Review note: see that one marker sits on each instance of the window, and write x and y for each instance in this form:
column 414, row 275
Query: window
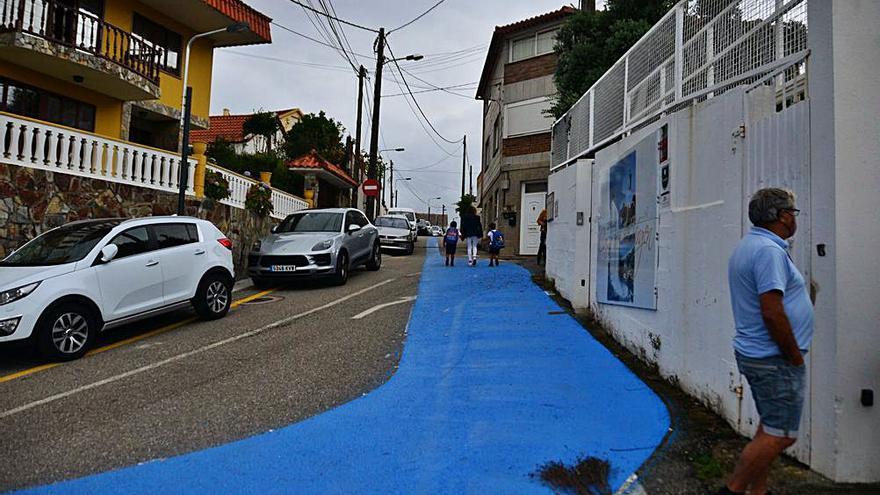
column 527, row 117
column 65, row 244
column 537, row 44
column 174, row 234
column 311, row 222
column 131, row 242
column 360, row 219
column 167, row 42
column 496, row 134
column 36, row 103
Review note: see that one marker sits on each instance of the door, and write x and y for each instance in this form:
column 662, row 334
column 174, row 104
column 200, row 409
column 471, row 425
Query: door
column 777, row 144
column 132, row 282
column 355, row 241
column 182, row 259
column 533, row 199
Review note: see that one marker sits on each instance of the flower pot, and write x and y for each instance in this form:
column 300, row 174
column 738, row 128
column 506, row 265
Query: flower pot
column 266, row 177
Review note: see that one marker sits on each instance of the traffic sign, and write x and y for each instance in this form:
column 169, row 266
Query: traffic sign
column 371, row 187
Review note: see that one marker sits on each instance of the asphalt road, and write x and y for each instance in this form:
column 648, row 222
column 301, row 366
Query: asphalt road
column 172, row 385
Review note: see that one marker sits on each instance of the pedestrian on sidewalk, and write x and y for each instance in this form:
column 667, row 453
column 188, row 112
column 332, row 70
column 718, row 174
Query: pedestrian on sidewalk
column 472, row 231
column 496, row 243
column 774, row 326
column 450, row 241
column 542, row 248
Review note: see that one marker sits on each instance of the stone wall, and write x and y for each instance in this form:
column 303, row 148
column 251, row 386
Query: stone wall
column 33, row 201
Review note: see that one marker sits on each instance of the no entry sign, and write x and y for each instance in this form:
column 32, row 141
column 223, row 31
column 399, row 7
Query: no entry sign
column 371, row 187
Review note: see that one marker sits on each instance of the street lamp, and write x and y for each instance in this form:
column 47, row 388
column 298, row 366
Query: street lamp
column 186, row 109
column 391, row 174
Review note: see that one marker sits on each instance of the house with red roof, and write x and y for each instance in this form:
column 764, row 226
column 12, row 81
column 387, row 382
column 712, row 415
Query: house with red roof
column 230, row 128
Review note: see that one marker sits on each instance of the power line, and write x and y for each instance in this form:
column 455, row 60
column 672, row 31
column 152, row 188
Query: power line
column 429, row 90
column 334, row 18
column 301, row 35
column 418, row 119
column 438, row 162
column 393, row 58
column 423, row 14
column 340, row 68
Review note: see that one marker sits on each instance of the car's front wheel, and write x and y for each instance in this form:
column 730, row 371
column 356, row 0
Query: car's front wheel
column 341, row 275
column 213, row 297
column 66, row 332
column 375, row 262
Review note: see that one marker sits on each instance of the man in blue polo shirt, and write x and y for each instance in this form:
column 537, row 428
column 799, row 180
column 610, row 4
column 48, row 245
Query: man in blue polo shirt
column 774, row 326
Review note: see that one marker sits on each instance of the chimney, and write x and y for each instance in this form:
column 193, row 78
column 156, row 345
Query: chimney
column 225, row 112
column 587, row 4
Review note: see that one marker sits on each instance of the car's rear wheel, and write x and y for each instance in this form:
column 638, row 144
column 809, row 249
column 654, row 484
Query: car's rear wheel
column 375, row 262
column 66, row 332
column 340, row 277
column 213, row 297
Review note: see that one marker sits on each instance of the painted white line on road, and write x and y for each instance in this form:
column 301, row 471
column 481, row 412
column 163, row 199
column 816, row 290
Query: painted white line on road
column 115, row 378
column 372, row 310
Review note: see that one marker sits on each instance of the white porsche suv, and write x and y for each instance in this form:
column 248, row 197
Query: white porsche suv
column 67, row 284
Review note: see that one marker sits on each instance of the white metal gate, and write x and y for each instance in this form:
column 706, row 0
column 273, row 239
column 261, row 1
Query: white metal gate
column 777, row 146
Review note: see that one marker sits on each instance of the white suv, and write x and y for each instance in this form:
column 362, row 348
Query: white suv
column 63, row 287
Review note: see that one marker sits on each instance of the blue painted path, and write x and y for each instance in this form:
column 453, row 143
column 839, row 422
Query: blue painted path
column 490, row 386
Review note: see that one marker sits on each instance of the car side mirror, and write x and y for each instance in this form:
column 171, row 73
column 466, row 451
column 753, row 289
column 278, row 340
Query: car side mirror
column 109, row 252
column 353, row 228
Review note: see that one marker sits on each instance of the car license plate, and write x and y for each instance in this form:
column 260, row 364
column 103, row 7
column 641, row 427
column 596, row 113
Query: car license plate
column 283, row 268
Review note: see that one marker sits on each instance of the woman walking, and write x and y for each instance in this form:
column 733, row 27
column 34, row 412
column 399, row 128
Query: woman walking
column 472, row 231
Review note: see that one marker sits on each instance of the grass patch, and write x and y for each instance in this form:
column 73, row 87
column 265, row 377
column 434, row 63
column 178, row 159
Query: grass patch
column 587, row 476
column 707, row 468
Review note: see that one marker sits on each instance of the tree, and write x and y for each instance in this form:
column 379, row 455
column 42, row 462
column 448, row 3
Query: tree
column 264, row 124
column 315, row 132
column 465, row 204
column 590, row 42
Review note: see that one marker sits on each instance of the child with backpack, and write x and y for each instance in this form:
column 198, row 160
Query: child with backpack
column 450, row 240
column 496, row 243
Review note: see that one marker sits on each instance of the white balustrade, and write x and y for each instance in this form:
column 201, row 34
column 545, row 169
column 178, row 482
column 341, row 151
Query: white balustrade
column 29, row 143
column 283, row 203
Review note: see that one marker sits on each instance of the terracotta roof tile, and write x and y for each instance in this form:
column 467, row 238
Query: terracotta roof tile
column 313, row 160
column 241, row 12
column 228, row 127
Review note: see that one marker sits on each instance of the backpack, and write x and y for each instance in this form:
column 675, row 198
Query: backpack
column 451, row 235
column 497, row 239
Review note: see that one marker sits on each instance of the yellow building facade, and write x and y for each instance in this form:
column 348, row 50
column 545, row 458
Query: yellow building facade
column 114, row 67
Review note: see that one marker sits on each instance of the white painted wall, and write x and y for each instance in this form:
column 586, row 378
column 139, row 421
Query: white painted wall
column 844, row 84
column 568, row 244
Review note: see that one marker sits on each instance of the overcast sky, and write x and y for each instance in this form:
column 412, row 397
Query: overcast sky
column 296, row 72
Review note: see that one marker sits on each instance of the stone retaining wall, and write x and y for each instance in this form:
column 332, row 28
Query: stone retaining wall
column 33, row 201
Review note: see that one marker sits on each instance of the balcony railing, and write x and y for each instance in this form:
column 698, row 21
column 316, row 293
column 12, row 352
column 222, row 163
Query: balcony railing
column 284, row 204
column 35, row 144
column 75, row 28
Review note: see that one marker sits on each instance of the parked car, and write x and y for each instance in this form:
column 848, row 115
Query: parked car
column 69, row 283
column 410, row 215
column 424, row 227
column 436, row 231
column 315, row 243
column 394, row 233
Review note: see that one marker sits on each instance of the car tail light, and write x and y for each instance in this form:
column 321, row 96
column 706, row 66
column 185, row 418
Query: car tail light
column 225, row 243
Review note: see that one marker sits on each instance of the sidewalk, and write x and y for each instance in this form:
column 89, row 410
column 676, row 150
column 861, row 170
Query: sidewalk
column 495, row 381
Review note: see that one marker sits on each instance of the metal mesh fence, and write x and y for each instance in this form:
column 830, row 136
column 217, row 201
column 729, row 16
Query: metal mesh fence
column 699, row 49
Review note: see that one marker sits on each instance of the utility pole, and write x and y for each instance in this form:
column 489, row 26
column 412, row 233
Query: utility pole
column 391, row 183
column 443, row 215
column 374, row 130
column 470, row 179
column 359, row 174
column 463, row 160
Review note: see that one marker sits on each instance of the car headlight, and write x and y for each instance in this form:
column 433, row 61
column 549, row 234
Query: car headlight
column 323, row 245
column 11, row 295
column 257, row 245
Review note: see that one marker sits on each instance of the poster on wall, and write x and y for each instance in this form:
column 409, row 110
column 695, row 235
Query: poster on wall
column 627, row 258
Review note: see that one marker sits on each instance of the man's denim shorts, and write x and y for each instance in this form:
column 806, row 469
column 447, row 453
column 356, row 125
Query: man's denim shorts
column 778, row 390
